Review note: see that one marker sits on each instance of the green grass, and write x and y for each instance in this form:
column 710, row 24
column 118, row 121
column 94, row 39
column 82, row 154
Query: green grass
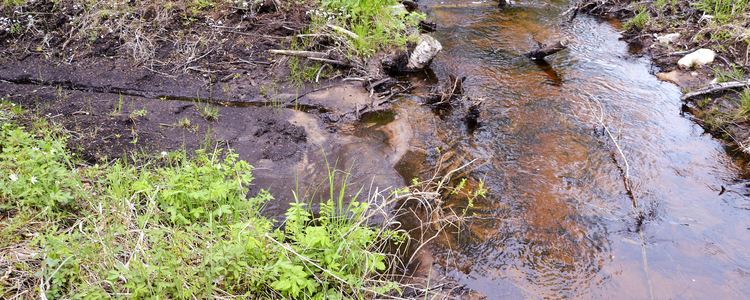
column 183, row 122
column 733, row 74
column 173, row 225
column 638, row 22
column 744, row 104
column 208, row 112
column 376, row 24
column 723, row 11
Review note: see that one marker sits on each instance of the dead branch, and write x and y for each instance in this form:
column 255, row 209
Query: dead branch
column 545, row 50
column 717, row 87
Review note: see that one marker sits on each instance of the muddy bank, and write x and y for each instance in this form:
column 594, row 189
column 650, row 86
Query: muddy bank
column 288, row 147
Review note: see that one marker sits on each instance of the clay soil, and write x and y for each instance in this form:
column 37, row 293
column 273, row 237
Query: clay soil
column 715, row 111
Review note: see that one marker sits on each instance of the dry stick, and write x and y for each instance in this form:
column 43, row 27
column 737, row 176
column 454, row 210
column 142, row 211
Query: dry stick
column 717, row 87
column 600, row 118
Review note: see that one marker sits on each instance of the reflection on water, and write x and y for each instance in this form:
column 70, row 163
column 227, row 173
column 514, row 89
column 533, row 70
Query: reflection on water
column 559, row 221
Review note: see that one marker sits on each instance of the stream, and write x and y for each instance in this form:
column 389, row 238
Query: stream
column 558, row 221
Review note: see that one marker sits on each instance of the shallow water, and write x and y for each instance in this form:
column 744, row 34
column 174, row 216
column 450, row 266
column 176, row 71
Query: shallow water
column 558, row 221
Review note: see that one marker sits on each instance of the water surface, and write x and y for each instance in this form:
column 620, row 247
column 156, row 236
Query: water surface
column 558, row 221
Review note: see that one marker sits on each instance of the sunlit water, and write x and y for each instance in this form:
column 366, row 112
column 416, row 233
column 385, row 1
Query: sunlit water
column 558, row 221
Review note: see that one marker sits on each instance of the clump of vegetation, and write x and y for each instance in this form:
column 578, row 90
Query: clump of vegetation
column 184, row 122
column 172, row 226
column 638, row 22
column 732, row 74
column 744, row 104
column 208, row 112
column 372, row 24
column 722, row 11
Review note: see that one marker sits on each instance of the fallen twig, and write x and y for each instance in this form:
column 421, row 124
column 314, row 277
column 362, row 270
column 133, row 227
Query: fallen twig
column 717, row 87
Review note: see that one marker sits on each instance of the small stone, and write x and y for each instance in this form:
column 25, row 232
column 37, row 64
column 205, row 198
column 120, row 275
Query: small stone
column 671, row 77
column 694, row 73
column 698, row 58
column 667, row 38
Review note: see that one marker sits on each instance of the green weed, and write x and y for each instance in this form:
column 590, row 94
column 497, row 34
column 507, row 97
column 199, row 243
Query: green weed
column 638, row 22
column 118, row 108
column 138, row 113
column 744, row 104
column 376, row 25
column 723, row 11
column 735, row 73
column 208, row 112
column 174, row 227
column 34, row 172
column 184, row 122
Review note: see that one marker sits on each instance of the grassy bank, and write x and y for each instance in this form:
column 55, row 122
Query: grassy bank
column 169, row 226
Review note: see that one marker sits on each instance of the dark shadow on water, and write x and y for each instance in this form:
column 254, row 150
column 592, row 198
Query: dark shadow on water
column 554, row 78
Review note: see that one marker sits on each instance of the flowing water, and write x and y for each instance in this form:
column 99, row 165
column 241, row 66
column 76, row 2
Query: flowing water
column 558, row 220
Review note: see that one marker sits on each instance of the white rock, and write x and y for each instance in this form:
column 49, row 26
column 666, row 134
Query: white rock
column 667, row 38
column 427, row 48
column 698, row 58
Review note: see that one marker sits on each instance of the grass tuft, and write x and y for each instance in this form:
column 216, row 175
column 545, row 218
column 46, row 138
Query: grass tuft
column 208, row 112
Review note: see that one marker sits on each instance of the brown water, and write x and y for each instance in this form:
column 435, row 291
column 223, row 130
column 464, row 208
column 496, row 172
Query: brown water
column 558, row 221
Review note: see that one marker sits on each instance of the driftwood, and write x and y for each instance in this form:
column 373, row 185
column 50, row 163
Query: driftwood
column 545, row 50
column 717, row 87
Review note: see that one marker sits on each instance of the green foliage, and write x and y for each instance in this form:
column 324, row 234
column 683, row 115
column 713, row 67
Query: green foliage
column 735, row 73
column 176, row 227
column 199, row 189
column 723, row 11
column 377, row 23
column 208, row 112
column 10, row 3
column 184, row 122
column 341, row 247
column 744, row 104
column 138, row 113
column 638, row 22
column 34, row 172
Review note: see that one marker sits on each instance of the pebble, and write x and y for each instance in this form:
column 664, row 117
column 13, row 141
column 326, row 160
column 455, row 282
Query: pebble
column 667, row 38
